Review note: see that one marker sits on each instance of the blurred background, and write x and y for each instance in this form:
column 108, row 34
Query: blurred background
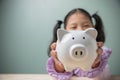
column 26, row 31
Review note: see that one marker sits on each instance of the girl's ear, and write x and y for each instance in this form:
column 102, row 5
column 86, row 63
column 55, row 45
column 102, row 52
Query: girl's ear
column 60, row 34
column 92, row 32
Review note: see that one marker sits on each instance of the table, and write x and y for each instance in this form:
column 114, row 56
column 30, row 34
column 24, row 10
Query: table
column 40, row 77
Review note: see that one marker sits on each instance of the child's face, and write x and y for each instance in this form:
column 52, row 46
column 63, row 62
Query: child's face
column 78, row 21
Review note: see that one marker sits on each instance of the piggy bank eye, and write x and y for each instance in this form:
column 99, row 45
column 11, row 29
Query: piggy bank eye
column 73, row 38
column 83, row 37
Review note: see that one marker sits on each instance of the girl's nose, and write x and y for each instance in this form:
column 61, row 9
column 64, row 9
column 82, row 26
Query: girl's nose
column 79, row 28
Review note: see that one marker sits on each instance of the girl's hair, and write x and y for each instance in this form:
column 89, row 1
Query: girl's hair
column 98, row 25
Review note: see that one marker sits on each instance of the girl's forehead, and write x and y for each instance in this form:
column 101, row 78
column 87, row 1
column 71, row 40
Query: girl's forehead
column 78, row 17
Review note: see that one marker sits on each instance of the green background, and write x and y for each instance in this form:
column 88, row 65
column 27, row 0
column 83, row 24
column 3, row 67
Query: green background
column 26, row 31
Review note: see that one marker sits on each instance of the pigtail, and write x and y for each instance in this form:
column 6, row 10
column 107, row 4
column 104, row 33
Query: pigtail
column 57, row 26
column 99, row 27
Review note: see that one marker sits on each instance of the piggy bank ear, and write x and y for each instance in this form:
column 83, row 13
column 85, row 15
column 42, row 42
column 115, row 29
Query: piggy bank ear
column 61, row 33
column 92, row 32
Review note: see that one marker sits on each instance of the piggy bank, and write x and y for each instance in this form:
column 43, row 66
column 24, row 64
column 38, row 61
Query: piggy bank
column 76, row 48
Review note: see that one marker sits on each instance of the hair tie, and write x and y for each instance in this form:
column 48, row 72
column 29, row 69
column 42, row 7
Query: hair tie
column 60, row 22
column 93, row 18
column 93, row 21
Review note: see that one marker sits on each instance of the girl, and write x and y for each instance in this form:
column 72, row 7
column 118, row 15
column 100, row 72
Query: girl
column 78, row 19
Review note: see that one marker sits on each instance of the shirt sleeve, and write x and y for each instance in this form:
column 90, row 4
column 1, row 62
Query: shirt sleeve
column 59, row 76
column 92, row 73
column 96, row 71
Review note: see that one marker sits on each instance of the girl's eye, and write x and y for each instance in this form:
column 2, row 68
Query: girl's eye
column 86, row 25
column 83, row 37
column 73, row 28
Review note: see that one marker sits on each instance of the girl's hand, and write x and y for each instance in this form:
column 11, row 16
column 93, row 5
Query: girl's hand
column 58, row 65
column 99, row 51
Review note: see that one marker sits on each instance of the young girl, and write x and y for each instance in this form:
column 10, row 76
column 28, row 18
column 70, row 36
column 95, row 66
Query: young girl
column 80, row 19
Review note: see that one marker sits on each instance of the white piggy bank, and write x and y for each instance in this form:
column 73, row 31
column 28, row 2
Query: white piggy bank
column 77, row 49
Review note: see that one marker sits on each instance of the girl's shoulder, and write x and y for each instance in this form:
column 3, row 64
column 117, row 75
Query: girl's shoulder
column 106, row 51
column 106, row 48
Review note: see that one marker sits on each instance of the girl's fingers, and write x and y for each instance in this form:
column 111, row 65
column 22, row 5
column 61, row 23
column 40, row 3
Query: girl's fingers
column 96, row 65
column 99, row 51
column 96, row 62
column 53, row 46
column 58, row 65
column 98, row 59
column 100, row 44
column 54, row 55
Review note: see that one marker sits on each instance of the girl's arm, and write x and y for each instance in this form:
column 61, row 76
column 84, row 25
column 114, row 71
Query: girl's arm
column 57, row 64
column 99, row 51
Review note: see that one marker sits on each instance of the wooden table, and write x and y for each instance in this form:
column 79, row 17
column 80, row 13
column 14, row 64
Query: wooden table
column 40, row 77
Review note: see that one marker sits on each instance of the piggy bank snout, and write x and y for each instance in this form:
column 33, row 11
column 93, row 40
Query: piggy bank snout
column 78, row 52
